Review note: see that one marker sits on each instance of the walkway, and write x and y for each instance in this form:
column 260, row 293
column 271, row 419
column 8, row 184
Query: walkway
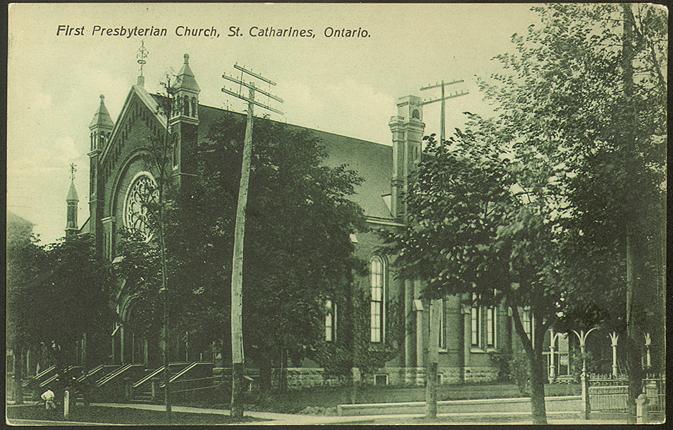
column 299, row 419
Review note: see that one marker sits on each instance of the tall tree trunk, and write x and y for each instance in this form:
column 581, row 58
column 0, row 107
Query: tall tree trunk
column 18, row 375
column 431, row 344
column 661, row 247
column 265, row 374
column 282, row 375
column 537, row 404
column 535, row 366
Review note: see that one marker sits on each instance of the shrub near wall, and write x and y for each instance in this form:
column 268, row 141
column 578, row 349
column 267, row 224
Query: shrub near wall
column 502, row 363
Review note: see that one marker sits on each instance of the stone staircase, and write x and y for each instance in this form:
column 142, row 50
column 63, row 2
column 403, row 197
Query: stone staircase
column 143, row 391
column 114, row 385
column 185, row 378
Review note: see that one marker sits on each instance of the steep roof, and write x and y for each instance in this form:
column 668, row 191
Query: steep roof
column 186, row 78
column 72, row 193
column 372, row 161
column 102, row 117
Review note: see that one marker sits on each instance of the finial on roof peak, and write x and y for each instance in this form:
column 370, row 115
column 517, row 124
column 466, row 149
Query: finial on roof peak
column 186, row 58
column 102, row 98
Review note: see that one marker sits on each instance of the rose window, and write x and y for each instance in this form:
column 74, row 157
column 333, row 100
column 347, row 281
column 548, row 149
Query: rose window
column 141, row 196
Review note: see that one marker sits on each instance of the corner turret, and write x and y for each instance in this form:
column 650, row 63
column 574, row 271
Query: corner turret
column 72, row 202
column 101, row 126
column 186, row 102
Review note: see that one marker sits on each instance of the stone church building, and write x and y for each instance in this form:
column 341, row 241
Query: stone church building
column 119, row 177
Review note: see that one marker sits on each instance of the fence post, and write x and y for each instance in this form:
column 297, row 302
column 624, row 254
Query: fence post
column 127, row 388
column 586, row 405
column 66, row 404
column 641, row 409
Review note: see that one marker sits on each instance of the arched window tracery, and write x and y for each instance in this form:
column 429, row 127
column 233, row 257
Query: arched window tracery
column 377, row 301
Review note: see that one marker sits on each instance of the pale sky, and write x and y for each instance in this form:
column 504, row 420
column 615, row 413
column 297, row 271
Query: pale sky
column 346, row 86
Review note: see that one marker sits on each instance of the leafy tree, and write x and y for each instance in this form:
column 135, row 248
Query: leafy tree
column 298, row 250
column 482, row 227
column 534, row 203
column 71, row 296
column 25, row 260
column 587, row 89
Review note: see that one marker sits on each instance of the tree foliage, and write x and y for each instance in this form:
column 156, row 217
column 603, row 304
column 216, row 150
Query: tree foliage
column 298, row 252
column 534, row 202
column 57, row 293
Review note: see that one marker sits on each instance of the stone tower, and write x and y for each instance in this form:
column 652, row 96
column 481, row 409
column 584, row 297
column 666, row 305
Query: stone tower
column 100, row 130
column 184, row 120
column 407, row 130
column 72, row 201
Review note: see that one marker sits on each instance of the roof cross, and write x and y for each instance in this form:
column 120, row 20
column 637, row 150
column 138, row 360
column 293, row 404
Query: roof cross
column 141, row 55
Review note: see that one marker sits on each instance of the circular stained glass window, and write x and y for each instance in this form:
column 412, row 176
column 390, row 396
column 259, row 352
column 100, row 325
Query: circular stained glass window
column 141, row 195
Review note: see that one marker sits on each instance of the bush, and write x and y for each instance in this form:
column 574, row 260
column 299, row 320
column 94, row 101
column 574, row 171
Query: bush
column 519, row 372
column 502, row 362
column 593, row 365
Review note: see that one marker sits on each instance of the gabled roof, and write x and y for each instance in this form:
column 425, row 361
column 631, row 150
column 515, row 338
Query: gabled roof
column 148, row 100
column 372, row 161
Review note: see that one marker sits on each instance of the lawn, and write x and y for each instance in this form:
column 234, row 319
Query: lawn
column 121, row 416
column 323, row 400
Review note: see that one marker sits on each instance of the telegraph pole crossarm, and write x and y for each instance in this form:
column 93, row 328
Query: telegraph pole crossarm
column 256, row 103
column 439, row 84
column 450, row 96
column 443, row 98
column 237, row 351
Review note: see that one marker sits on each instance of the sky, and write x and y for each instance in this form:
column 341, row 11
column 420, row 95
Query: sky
column 347, row 86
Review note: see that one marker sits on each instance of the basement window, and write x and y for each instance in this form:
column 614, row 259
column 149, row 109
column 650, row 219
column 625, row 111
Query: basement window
column 381, row 379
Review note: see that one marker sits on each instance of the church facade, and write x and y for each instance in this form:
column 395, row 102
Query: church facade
column 467, row 336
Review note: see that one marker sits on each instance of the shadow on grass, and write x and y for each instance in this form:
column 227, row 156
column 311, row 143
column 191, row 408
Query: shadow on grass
column 323, row 400
column 96, row 414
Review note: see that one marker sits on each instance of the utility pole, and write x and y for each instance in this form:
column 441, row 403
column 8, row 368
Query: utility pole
column 161, row 159
column 629, row 150
column 433, row 313
column 443, row 98
column 237, row 356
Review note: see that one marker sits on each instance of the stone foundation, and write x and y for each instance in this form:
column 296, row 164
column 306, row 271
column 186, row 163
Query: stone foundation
column 481, row 374
column 450, row 375
column 304, row 377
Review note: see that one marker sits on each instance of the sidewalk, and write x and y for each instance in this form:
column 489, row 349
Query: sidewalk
column 273, row 418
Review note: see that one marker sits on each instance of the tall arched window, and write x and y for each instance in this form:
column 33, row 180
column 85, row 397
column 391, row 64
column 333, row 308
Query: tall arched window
column 195, row 108
column 377, row 284
column 185, row 105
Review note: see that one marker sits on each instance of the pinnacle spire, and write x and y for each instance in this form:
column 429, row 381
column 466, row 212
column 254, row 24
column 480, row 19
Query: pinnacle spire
column 72, row 192
column 102, row 117
column 185, row 79
column 71, row 200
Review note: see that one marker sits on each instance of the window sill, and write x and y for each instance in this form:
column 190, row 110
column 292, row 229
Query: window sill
column 477, row 350
column 443, row 350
